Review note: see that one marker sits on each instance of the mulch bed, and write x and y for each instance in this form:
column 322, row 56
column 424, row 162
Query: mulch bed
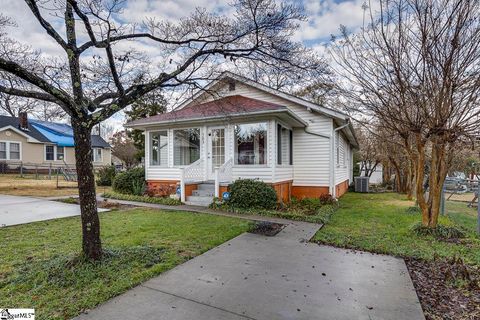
column 447, row 289
column 268, row 229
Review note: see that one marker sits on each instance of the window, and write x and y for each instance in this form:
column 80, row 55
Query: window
column 290, row 160
column 3, row 150
column 337, row 148
column 159, row 148
column 284, row 145
column 279, row 144
column 97, row 154
column 14, row 151
column 60, row 153
column 49, row 153
column 186, row 146
column 251, row 143
column 10, row 150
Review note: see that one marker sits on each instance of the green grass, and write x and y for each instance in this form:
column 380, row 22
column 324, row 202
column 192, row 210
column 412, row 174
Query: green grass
column 382, row 223
column 130, row 197
column 41, row 267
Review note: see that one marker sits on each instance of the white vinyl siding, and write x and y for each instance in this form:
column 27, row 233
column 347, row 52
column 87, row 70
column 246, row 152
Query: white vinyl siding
column 343, row 167
column 311, row 153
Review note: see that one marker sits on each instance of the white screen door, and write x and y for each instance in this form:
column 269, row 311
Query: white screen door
column 216, row 150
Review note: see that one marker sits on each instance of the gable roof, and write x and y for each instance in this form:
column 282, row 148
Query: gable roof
column 7, row 122
column 60, row 134
column 340, row 117
column 332, row 113
column 224, row 107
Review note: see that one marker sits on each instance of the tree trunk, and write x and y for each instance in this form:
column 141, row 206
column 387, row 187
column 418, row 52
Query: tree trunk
column 91, row 244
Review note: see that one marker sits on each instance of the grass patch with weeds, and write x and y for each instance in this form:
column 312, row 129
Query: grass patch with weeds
column 379, row 223
column 41, row 267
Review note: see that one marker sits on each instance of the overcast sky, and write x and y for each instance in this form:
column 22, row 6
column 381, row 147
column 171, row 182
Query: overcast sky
column 324, row 19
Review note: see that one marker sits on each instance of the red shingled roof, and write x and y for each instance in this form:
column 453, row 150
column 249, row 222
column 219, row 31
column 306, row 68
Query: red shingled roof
column 231, row 105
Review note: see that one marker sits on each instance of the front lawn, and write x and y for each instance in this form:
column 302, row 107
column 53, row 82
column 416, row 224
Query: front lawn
column 41, row 268
column 382, row 223
column 448, row 287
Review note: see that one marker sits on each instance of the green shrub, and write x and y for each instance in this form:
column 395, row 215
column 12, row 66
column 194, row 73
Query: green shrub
column 128, row 182
column 440, row 232
column 106, row 175
column 130, row 197
column 250, row 194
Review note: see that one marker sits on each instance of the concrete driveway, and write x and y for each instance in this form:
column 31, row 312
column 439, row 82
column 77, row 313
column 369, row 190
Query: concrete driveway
column 19, row 210
column 268, row 278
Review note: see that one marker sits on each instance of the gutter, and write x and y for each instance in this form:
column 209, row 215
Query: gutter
column 333, row 191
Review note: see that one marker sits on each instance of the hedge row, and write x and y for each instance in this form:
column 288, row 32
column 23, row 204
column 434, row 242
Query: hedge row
column 147, row 199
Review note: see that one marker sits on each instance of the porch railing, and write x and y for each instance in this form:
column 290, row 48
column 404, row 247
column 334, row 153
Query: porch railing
column 192, row 173
column 223, row 174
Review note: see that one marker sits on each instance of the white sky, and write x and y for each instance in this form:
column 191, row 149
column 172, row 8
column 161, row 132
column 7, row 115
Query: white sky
column 324, row 19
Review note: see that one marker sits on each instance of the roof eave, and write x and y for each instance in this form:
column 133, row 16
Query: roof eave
column 216, row 118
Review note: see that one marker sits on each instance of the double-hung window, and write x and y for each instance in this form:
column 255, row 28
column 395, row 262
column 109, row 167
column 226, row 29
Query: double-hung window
column 284, row 145
column 97, row 154
column 60, row 153
column 49, row 153
column 10, row 150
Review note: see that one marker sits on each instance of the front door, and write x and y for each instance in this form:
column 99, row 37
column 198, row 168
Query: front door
column 216, row 150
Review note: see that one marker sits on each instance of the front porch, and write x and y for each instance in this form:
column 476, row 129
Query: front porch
column 210, row 157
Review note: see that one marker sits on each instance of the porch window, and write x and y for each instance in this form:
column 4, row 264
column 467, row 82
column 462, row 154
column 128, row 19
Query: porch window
column 284, row 145
column 159, row 148
column 186, row 146
column 251, row 143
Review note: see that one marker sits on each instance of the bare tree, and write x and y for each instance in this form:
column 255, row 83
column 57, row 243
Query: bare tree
column 124, row 149
column 416, row 69
column 102, row 74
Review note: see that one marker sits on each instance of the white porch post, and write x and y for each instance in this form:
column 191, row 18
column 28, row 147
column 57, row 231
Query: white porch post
column 217, row 183
column 182, row 184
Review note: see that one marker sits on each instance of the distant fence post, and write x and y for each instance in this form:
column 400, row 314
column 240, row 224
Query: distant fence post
column 50, row 171
column 21, row 169
column 36, row 171
column 57, row 176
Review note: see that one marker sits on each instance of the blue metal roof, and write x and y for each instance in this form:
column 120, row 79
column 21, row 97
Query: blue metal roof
column 58, row 133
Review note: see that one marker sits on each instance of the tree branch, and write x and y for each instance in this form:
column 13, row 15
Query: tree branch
column 46, row 25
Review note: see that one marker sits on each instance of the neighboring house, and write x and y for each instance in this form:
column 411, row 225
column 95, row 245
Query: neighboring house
column 35, row 142
column 248, row 130
column 377, row 174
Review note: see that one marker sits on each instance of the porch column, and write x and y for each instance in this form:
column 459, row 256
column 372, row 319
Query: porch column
column 217, row 183
column 182, row 184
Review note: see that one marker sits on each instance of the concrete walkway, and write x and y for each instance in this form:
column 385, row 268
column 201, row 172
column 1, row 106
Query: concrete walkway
column 16, row 210
column 267, row 278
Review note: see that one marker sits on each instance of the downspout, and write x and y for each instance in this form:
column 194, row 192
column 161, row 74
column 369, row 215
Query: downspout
column 333, row 190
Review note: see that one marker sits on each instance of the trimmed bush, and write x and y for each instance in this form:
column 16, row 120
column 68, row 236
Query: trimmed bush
column 129, row 182
column 106, row 175
column 250, row 194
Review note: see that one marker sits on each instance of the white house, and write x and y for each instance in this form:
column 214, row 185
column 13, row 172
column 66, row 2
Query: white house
column 237, row 128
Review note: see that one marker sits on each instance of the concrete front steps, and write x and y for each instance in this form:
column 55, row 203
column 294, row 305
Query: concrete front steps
column 203, row 196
